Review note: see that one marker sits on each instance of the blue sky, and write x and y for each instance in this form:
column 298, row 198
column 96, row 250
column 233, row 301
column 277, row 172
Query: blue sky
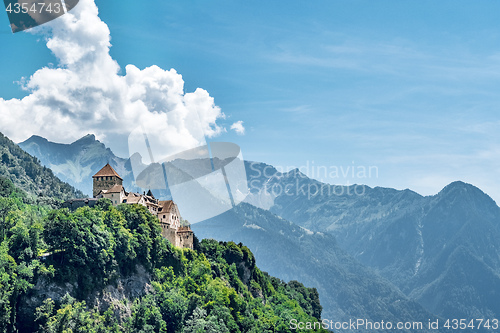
column 409, row 87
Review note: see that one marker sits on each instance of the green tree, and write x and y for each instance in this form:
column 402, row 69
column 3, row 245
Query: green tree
column 199, row 322
column 6, row 187
column 6, row 205
column 147, row 317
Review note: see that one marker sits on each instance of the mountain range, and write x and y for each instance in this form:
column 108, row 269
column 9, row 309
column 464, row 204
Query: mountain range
column 347, row 289
column 377, row 252
column 441, row 250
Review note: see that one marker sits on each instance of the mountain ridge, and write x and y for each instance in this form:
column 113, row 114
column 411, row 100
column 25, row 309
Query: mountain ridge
column 27, row 173
column 409, row 239
column 347, row 288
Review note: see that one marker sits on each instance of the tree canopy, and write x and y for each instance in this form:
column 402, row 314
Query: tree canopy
column 216, row 287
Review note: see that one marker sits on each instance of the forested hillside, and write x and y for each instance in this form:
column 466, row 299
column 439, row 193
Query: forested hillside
column 107, row 269
column 26, row 172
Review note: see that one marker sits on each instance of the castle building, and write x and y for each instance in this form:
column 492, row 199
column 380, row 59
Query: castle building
column 105, row 179
column 170, row 221
column 108, row 184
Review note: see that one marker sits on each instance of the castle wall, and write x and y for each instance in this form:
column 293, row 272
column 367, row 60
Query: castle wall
column 179, row 237
column 100, row 185
column 169, row 233
column 185, row 237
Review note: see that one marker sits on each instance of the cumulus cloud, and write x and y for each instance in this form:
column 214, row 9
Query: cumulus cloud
column 86, row 93
column 238, row 127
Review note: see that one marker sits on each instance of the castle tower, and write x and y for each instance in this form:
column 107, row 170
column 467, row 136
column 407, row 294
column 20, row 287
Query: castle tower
column 105, row 179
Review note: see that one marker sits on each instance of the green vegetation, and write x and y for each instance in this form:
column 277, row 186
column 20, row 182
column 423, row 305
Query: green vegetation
column 27, row 174
column 56, row 266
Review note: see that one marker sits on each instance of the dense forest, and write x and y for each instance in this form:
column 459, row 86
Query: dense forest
column 107, row 269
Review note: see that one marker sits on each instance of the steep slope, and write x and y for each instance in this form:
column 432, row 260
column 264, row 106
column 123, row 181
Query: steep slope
column 461, row 254
column 421, row 244
column 347, row 289
column 27, row 174
column 108, row 269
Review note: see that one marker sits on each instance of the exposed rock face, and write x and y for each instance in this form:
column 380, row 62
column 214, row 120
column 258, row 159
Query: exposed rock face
column 118, row 296
column 247, row 273
column 45, row 289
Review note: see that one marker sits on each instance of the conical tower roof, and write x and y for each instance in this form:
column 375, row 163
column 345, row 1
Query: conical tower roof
column 106, row 172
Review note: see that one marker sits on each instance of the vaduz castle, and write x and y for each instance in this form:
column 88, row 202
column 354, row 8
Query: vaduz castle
column 108, row 184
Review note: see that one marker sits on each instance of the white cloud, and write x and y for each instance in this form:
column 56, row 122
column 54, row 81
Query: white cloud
column 238, row 127
column 85, row 93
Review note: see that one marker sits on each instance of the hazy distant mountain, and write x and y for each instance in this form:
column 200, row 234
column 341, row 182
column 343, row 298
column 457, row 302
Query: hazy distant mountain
column 347, row 289
column 77, row 162
column 442, row 250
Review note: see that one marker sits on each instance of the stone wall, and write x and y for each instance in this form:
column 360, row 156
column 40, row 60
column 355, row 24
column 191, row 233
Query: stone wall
column 185, row 237
column 181, row 237
column 169, row 233
column 100, row 185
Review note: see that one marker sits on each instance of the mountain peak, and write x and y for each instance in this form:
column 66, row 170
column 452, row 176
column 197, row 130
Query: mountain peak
column 459, row 186
column 89, row 138
column 35, row 138
column 466, row 191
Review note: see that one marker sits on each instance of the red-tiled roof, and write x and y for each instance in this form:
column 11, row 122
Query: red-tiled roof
column 184, row 230
column 106, row 172
column 115, row 189
column 133, row 199
column 165, row 206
